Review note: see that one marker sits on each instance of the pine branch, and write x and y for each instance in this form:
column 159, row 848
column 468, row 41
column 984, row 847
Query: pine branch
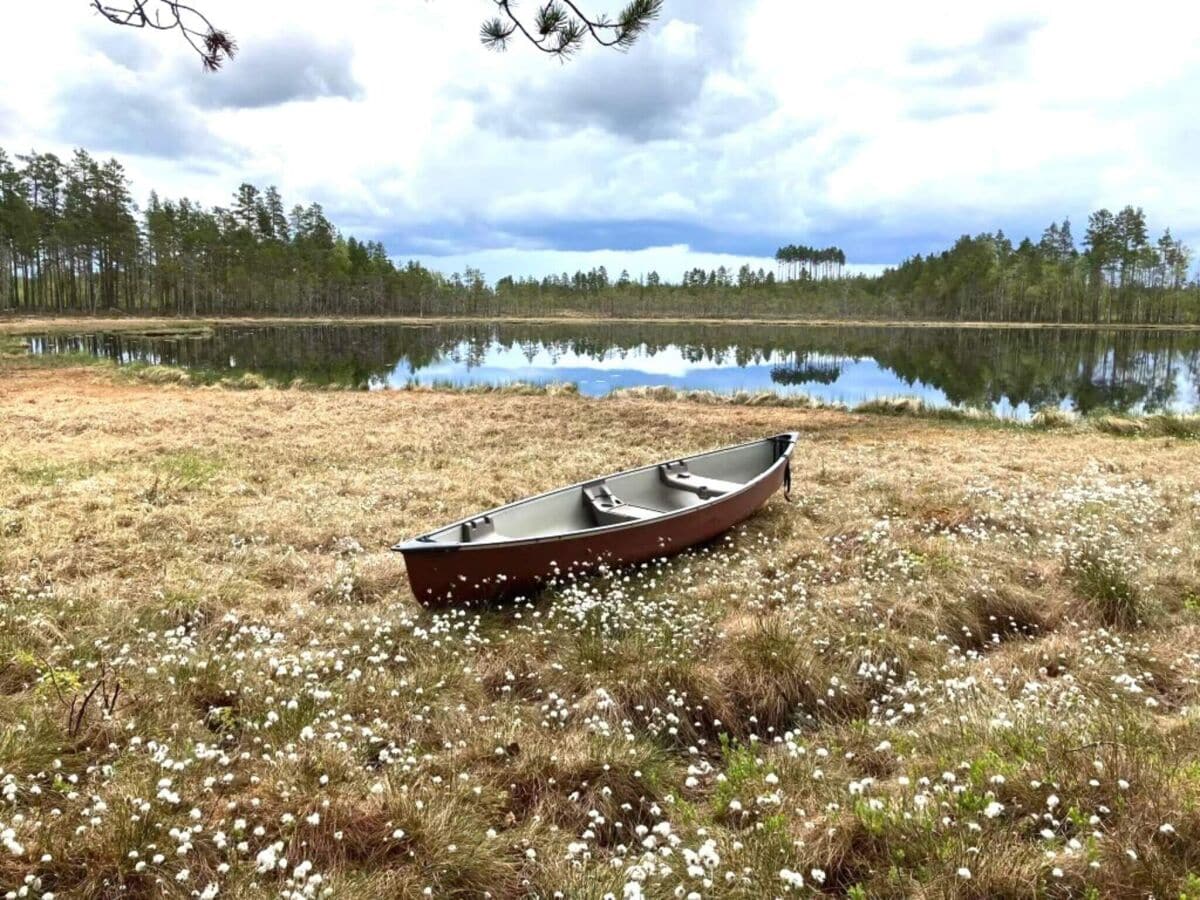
column 559, row 27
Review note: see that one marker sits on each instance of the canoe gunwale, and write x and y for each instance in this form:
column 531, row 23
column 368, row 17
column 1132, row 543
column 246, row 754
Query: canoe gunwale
column 424, row 544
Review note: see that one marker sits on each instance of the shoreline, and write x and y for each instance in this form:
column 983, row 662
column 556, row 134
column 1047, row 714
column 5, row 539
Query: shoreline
column 25, row 324
column 1178, row 424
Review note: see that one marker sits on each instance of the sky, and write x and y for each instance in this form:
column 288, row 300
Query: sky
column 733, row 127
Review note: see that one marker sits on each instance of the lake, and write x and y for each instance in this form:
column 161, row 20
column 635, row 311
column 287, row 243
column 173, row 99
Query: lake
column 1012, row 371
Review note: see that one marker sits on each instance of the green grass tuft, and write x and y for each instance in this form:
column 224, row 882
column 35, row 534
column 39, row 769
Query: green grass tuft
column 190, row 468
column 1104, row 582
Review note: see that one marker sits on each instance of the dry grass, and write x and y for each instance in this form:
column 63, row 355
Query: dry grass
column 961, row 663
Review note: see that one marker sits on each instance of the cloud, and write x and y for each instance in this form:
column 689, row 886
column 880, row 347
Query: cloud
column 944, row 109
column 572, row 235
column 125, row 116
column 10, row 120
column 1014, row 33
column 276, row 70
column 678, row 80
column 670, row 262
column 1000, row 52
column 997, row 39
column 128, row 48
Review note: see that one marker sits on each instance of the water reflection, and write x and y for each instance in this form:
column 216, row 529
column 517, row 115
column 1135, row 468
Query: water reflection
column 1010, row 370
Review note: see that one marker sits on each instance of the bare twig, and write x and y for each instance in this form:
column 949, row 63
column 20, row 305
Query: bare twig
column 1096, row 744
column 214, row 45
column 75, row 719
column 53, row 679
column 77, row 707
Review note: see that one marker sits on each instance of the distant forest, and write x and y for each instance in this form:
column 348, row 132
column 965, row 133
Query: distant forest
column 72, row 240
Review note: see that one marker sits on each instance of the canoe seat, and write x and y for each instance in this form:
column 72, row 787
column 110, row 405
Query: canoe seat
column 676, row 475
column 609, row 509
column 480, row 531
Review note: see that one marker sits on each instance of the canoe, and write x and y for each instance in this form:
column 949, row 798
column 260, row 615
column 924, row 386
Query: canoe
column 628, row 517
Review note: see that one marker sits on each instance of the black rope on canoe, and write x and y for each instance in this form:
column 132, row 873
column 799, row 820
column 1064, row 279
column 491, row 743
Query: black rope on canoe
column 787, row 481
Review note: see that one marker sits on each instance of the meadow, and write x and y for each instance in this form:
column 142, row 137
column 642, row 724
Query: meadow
column 964, row 660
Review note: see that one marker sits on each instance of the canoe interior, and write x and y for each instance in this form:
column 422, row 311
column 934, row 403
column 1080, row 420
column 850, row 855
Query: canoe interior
column 644, row 494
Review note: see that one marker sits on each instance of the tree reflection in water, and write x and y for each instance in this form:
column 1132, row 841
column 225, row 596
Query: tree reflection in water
column 1125, row 370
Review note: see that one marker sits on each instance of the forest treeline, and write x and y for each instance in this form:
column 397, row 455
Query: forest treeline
column 1118, row 274
column 73, row 240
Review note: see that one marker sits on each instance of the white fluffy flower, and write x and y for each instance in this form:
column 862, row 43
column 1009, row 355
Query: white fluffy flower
column 791, row 879
column 267, row 857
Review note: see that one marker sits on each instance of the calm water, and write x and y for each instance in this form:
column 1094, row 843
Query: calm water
column 1012, row 371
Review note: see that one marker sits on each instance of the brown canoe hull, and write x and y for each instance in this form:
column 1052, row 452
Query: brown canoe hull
column 466, row 573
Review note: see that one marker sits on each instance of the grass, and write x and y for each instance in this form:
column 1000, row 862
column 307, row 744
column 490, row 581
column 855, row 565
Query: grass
column 189, row 467
column 962, row 662
column 1104, row 582
column 12, row 345
column 176, row 375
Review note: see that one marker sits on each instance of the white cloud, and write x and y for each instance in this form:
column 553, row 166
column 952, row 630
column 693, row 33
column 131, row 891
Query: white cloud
column 10, row 121
column 669, row 262
column 282, row 69
column 733, row 126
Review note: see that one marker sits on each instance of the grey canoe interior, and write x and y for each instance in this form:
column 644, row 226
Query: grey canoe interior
column 624, row 498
